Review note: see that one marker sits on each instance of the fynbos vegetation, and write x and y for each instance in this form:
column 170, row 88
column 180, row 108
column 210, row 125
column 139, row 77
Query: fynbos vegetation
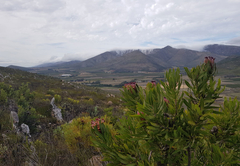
column 167, row 126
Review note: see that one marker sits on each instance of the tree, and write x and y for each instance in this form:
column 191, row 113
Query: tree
column 166, row 125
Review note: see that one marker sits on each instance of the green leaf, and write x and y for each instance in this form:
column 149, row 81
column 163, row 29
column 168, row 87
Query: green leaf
column 187, row 83
column 152, row 128
column 154, row 124
column 217, row 112
column 191, row 123
column 131, row 164
column 187, row 103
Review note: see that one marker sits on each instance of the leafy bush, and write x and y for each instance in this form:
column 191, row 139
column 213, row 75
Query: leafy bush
column 58, row 99
column 29, row 117
column 27, row 114
column 165, row 125
column 3, row 96
column 5, row 92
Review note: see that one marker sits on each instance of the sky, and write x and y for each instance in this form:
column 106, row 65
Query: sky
column 39, row 31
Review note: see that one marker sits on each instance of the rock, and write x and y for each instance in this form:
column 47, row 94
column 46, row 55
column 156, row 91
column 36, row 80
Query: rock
column 56, row 111
column 108, row 95
column 14, row 117
column 96, row 161
column 25, row 129
column 13, row 106
column 112, row 95
column 109, row 103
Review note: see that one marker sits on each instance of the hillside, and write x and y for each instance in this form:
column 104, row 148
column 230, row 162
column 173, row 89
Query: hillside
column 96, row 60
column 181, row 57
column 26, row 98
column 46, row 87
column 229, row 66
column 132, row 62
column 20, row 68
column 49, row 64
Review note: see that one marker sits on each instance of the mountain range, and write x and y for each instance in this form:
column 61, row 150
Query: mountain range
column 151, row 60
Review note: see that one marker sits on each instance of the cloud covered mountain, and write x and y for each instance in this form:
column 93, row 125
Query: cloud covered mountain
column 133, row 60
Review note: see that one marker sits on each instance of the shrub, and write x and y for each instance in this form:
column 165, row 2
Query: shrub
column 3, row 96
column 79, row 132
column 58, row 99
column 165, row 125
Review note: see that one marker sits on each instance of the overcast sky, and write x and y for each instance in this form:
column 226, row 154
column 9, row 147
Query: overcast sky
column 37, row 31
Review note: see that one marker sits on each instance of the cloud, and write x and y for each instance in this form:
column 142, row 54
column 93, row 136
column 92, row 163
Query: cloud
column 35, row 30
column 234, row 41
column 32, row 5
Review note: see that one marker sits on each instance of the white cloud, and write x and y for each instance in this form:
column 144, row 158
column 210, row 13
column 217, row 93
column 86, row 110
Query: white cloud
column 234, row 41
column 33, row 31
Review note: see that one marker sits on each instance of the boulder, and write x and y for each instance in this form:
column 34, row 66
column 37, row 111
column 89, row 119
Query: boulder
column 109, row 103
column 25, row 129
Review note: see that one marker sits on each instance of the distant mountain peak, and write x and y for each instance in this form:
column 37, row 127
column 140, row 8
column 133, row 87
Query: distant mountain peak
column 168, row 47
column 122, row 52
column 147, row 51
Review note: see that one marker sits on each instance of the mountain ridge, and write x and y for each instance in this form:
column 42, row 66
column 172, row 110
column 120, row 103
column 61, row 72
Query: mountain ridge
column 153, row 59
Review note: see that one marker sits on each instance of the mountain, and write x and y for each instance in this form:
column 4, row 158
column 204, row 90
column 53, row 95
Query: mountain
column 173, row 57
column 96, row 60
column 146, row 60
column 132, row 62
column 49, row 64
column 20, row 68
column 229, row 66
column 57, row 64
column 226, row 50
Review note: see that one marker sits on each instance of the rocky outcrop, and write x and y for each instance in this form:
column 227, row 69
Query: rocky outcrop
column 56, row 112
column 96, row 161
column 25, row 129
column 14, row 118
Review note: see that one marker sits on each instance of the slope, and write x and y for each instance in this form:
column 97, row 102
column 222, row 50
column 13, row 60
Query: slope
column 182, row 57
column 229, row 66
column 132, row 62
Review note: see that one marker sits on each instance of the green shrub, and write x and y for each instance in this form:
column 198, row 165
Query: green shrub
column 3, row 96
column 58, row 99
column 165, row 125
column 29, row 117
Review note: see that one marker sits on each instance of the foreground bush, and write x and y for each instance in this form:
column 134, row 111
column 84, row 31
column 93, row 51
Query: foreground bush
column 165, row 125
